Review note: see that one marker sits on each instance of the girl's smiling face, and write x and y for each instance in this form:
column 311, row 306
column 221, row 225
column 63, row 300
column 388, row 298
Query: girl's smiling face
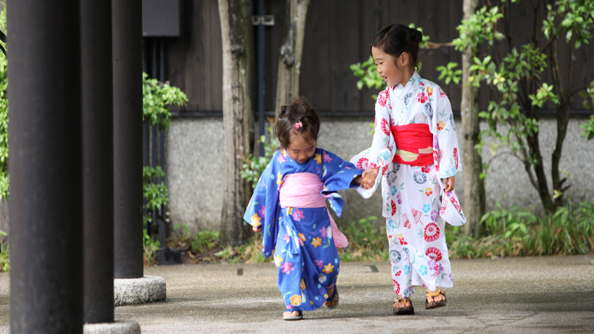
column 301, row 149
column 394, row 70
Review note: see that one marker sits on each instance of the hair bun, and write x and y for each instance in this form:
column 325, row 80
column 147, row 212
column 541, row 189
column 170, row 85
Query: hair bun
column 414, row 36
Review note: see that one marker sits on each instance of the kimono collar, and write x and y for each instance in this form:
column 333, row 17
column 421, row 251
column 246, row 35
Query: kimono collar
column 412, row 84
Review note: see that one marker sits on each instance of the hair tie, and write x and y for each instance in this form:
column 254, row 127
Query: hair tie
column 298, row 125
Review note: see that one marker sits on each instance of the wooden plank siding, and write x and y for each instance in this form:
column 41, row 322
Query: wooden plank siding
column 338, row 34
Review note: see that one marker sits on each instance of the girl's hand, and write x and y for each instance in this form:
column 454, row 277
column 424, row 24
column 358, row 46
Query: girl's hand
column 449, row 183
column 368, row 178
column 257, row 229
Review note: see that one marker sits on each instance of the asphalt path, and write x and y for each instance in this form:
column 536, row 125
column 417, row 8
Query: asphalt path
column 517, row 295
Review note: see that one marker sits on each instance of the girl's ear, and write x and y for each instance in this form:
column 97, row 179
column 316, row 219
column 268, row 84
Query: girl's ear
column 404, row 59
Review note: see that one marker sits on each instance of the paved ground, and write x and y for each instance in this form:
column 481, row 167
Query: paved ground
column 523, row 295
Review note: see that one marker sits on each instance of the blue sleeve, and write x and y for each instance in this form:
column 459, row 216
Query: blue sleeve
column 263, row 207
column 337, row 174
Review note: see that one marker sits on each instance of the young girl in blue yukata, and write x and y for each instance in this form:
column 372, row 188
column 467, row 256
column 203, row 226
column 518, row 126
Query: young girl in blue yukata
column 289, row 208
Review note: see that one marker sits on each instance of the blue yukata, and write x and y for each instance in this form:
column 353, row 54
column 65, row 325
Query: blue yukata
column 289, row 203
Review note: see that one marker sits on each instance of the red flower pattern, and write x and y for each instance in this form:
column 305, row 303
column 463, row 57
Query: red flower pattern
column 396, row 287
column 362, row 163
column 385, row 127
column 431, row 232
column 436, row 156
column 455, row 204
column 423, row 97
column 382, row 98
column 433, row 253
column 444, row 205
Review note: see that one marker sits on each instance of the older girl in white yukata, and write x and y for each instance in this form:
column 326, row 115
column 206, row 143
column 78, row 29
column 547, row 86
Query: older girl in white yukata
column 416, row 149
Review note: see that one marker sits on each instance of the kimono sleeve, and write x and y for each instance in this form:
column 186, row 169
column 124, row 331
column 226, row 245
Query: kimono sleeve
column 446, row 158
column 263, row 206
column 337, row 174
column 446, row 152
column 383, row 147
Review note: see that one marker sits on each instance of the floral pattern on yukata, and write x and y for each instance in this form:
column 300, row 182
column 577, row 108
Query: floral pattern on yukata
column 301, row 238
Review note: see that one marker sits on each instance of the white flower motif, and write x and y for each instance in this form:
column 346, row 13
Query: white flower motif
column 322, row 278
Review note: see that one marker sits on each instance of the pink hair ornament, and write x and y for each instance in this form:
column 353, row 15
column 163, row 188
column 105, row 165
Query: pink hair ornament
column 298, row 125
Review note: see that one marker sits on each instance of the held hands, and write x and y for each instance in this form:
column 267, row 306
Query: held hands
column 449, row 183
column 368, row 177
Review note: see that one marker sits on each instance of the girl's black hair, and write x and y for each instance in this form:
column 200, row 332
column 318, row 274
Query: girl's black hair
column 396, row 39
column 298, row 111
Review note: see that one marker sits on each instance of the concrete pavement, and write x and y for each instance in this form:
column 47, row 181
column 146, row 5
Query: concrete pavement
column 520, row 295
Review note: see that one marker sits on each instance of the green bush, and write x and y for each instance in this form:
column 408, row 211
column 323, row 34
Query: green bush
column 203, row 241
column 518, row 232
column 512, row 232
column 253, row 166
column 367, row 241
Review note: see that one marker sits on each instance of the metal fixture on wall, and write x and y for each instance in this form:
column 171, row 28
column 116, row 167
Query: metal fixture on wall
column 260, row 21
column 160, row 20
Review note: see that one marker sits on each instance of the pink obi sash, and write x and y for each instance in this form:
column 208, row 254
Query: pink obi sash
column 303, row 190
column 414, row 144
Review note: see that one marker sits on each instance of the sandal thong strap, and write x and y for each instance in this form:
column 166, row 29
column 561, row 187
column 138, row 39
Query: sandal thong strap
column 435, row 304
column 331, row 299
column 402, row 300
column 435, row 294
column 298, row 317
column 405, row 309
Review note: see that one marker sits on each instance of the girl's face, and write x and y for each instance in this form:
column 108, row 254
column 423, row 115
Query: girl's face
column 394, row 70
column 300, row 149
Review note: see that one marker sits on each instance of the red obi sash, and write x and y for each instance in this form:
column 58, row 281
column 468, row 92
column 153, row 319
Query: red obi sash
column 414, row 144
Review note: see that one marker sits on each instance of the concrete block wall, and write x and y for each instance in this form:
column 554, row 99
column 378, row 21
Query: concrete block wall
column 195, row 158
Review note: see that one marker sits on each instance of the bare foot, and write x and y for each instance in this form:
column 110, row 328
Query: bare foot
column 333, row 302
column 290, row 314
column 401, row 305
column 435, row 299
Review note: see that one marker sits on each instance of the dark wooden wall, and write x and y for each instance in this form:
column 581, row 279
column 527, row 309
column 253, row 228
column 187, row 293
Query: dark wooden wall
column 338, row 34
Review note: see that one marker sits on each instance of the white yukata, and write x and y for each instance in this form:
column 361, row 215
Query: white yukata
column 414, row 203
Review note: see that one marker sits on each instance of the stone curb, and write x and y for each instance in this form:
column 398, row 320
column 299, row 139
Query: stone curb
column 118, row 327
column 139, row 290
